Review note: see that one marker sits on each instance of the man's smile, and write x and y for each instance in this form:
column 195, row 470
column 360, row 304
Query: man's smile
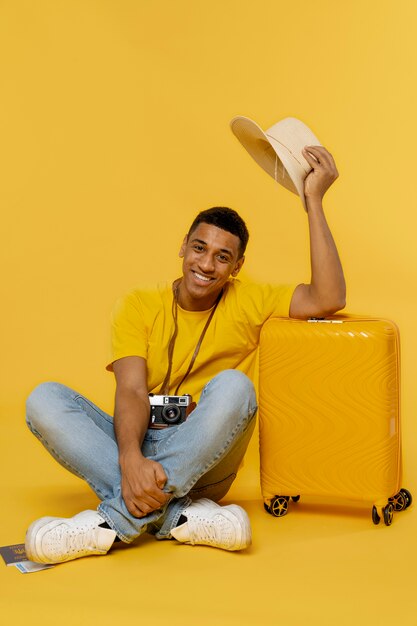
column 206, row 279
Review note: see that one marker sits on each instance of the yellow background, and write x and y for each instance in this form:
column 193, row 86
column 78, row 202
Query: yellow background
column 114, row 133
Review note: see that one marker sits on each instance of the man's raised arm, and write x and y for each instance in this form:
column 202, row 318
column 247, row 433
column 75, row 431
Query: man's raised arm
column 142, row 478
column 326, row 293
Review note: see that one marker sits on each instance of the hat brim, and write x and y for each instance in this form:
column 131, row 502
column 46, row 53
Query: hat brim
column 272, row 156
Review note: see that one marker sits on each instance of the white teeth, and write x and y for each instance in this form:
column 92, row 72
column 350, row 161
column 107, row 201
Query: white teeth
column 202, row 277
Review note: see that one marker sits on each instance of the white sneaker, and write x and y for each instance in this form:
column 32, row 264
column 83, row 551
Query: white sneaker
column 209, row 524
column 59, row 539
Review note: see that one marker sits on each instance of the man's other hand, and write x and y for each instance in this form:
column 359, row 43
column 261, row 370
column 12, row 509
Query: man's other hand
column 142, row 484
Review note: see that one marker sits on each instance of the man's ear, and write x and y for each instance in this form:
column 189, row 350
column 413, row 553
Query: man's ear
column 182, row 249
column 238, row 266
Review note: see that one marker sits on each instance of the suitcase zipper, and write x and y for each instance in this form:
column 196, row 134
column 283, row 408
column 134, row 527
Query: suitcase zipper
column 320, row 320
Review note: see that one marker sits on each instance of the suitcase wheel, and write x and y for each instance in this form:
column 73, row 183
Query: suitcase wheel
column 399, row 501
column 375, row 516
column 278, row 506
column 388, row 512
column 408, row 497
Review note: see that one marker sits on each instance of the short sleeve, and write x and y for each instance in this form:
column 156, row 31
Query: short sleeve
column 129, row 336
column 262, row 301
column 278, row 300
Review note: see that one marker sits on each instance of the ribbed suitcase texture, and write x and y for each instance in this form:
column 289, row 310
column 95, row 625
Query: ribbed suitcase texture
column 329, row 412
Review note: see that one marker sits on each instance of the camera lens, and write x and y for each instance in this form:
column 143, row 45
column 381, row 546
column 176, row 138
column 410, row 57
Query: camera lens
column 171, row 413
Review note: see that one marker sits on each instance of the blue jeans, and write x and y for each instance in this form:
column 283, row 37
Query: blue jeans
column 200, row 456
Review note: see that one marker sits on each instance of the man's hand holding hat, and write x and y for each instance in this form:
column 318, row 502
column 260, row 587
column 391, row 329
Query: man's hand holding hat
column 323, row 173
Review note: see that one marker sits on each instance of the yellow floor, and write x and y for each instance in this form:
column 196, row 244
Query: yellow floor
column 322, row 564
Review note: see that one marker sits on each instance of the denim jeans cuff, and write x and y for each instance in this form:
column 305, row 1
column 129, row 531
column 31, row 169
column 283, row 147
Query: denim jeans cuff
column 112, row 526
column 176, row 509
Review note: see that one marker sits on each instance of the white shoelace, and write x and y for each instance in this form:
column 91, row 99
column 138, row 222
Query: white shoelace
column 75, row 539
column 214, row 531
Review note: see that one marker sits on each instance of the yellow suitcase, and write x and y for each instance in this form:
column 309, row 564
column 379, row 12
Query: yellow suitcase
column 329, row 413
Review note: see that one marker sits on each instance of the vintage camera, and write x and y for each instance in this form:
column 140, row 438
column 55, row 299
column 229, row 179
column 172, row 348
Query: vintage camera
column 169, row 410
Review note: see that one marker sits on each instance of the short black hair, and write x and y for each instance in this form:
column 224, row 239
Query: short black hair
column 226, row 219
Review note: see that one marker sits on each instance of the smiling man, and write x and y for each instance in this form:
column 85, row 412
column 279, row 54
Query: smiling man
column 183, row 358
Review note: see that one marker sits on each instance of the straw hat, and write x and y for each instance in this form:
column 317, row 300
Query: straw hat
column 278, row 150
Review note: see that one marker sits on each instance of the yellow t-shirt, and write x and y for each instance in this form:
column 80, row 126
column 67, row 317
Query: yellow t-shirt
column 142, row 325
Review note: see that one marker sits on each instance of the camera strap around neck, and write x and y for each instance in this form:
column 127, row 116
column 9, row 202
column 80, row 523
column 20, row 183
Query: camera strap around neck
column 165, row 385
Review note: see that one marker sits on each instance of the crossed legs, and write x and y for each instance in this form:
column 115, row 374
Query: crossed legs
column 200, row 457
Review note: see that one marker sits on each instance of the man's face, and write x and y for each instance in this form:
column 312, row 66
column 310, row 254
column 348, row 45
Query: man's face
column 211, row 256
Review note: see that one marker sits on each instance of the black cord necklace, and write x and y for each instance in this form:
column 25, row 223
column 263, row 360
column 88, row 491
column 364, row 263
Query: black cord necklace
column 165, row 385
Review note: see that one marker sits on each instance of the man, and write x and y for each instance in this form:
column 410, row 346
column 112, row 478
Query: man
column 198, row 337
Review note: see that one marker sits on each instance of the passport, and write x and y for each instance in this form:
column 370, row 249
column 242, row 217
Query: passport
column 13, row 554
column 16, row 555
